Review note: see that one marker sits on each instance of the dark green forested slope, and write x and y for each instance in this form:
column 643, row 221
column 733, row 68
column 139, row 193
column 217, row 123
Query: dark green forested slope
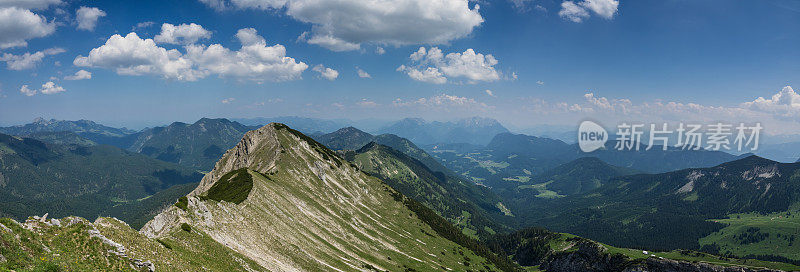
column 580, row 176
column 670, row 210
column 65, row 180
column 197, row 145
column 412, row 171
column 477, row 211
column 544, row 250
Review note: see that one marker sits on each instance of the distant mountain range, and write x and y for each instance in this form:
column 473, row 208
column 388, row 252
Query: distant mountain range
column 198, row 145
column 87, row 129
column 517, row 157
column 474, row 130
column 783, row 152
column 302, row 124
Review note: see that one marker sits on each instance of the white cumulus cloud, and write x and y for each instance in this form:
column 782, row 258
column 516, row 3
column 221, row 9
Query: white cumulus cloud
column 142, row 25
column 603, row 8
column 228, row 100
column 181, row 34
column 17, row 26
column 526, row 5
column 785, row 103
column 343, row 25
column 255, row 61
column 326, row 72
column 51, row 88
column 572, row 12
column 131, row 55
column 429, row 75
column 87, row 17
column 80, row 75
column 28, row 60
column 47, row 88
column 577, row 12
column 431, row 65
column 362, row 74
column 29, row 4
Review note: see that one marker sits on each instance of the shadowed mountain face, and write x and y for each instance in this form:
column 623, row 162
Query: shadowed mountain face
column 410, row 170
column 351, row 138
column 474, row 130
column 475, row 210
column 348, row 138
column 288, row 203
column 197, row 145
column 89, row 181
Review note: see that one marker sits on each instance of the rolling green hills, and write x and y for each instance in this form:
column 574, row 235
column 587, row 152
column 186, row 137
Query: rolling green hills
column 759, row 235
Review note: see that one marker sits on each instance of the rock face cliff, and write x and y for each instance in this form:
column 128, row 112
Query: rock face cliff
column 290, row 204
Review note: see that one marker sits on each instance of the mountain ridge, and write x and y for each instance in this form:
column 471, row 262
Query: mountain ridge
column 288, row 167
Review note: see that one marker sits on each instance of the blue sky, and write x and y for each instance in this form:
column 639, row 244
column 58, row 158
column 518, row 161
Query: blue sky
column 624, row 60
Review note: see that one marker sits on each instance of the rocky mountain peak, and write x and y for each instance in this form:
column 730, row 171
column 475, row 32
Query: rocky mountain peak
column 258, row 150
